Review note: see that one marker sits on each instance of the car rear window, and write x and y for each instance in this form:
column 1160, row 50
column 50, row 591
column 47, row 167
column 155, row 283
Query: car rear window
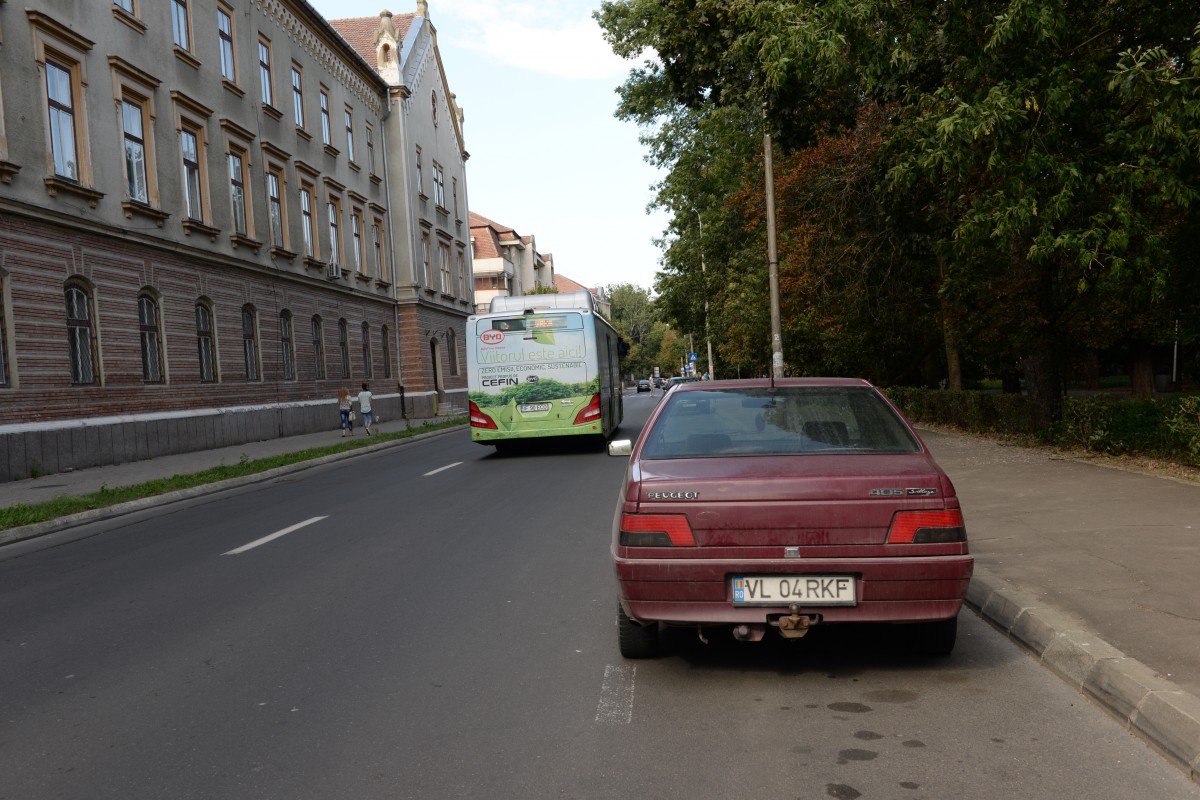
column 784, row 420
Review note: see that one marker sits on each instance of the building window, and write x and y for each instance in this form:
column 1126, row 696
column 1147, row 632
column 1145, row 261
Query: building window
column 326, row 131
column 275, row 208
column 426, row 266
column 307, row 222
column 286, row 347
column 264, row 72
column 126, row 5
column 335, row 239
column 81, row 338
column 225, row 40
column 439, row 186
column 318, row 339
column 206, row 343
column 420, row 175
column 298, row 96
column 377, row 242
column 454, row 192
column 356, row 236
column 462, row 274
column 180, row 27
column 344, row 346
column 135, row 151
column 237, row 192
column 349, row 134
column 189, row 143
column 370, row 149
column 148, row 325
column 250, row 342
column 61, row 98
column 366, row 351
column 444, row 267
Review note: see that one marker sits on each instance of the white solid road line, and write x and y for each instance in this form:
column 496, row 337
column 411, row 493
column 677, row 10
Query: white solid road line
column 616, row 695
column 442, row 469
column 274, row 535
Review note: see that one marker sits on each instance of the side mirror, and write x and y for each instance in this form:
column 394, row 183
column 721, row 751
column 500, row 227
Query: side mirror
column 620, row 447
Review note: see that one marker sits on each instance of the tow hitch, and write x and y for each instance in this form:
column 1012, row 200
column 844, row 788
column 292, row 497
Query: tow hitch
column 793, row 626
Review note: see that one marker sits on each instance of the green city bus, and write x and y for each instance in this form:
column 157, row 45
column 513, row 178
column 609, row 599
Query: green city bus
column 542, row 365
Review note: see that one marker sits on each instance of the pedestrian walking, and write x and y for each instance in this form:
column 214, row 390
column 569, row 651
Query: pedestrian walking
column 346, row 409
column 365, row 408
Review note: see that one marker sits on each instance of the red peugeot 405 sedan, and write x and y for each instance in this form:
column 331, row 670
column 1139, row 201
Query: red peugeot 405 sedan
column 783, row 504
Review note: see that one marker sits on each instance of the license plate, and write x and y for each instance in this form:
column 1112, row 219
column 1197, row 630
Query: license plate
column 809, row 590
column 527, row 408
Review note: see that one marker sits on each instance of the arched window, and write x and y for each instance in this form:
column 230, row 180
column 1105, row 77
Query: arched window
column 81, row 337
column 206, row 342
column 286, row 347
column 318, row 339
column 250, row 342
column 344, row 346
column 151, row 336
column 366, row 354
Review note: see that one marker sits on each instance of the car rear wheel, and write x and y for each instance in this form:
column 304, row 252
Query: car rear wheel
column 637, row 641
column 935, row 638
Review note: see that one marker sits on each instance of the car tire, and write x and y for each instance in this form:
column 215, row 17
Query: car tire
column 935, row 638
column 636, row 641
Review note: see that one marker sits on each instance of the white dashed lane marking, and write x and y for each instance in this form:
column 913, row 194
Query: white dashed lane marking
column 616, row 695
column 441, row 469
column 273, row 536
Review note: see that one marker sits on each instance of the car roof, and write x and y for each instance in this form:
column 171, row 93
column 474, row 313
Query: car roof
column 766, row 383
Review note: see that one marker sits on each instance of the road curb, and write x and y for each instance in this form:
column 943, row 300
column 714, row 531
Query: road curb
column 1147, row 704
column 13, row 535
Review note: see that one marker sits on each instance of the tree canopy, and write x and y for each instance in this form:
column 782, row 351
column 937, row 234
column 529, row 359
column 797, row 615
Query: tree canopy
column 963, row 190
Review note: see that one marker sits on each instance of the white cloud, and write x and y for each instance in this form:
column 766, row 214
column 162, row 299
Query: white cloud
column 559, row 39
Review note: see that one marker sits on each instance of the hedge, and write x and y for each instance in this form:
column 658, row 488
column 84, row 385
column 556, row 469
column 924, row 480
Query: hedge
column 1164, row 427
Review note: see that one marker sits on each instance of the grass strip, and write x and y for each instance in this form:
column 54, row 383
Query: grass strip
column 31, row 514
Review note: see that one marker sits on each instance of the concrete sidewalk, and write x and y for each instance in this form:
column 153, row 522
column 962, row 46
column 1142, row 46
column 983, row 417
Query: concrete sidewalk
column 1093, row 569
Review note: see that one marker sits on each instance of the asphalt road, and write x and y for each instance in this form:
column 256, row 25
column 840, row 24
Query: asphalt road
column 442, row 625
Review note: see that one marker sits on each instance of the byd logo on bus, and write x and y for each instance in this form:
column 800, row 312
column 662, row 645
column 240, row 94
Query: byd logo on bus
column 492, row 337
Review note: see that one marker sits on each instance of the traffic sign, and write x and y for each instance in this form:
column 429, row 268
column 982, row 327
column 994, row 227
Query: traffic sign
column 692, row 357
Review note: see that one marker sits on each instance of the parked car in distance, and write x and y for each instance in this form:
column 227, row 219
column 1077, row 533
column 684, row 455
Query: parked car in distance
column 678, row 379
column 643, row 385
column 777, row 505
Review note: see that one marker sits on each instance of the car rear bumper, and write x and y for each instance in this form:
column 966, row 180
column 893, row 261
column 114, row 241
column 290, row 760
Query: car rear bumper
column 887, row 589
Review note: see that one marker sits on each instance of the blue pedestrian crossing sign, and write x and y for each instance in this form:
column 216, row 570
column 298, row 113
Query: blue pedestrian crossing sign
column 692, row 357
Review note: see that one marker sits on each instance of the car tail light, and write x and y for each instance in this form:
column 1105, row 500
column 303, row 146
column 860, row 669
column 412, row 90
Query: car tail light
column 927, row 527
column 655, row 530
column 590, row 413
column 480, row 419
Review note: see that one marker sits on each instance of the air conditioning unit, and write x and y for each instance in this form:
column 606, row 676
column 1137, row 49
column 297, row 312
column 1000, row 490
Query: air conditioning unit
column 333, row 271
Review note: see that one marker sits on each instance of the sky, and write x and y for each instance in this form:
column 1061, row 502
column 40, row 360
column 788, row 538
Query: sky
column 536, row 83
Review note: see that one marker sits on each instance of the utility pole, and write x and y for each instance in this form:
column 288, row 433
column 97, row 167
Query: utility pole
column 712, row 368
column 772, row 257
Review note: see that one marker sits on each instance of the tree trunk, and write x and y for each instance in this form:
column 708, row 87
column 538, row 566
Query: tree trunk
column 950, row 334
column 1141, row 373
column 1043, row 380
